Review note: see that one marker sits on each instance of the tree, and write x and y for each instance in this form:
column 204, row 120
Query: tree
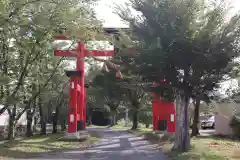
column 95, row 101
column 145, row 117
column 27, row 27
column 130, row 84
column 110, row 91
column 189, row 50
column 137, row 96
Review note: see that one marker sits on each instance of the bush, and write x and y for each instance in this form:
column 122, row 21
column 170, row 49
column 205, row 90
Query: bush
column 122, row 122
column 235, row 124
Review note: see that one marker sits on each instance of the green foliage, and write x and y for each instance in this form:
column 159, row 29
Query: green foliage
column 235, row 124
column 30, row 77
column 145, row 117
column 190, row 50
column 27, row 28
column 122, row 123
column 189, row 44
column 108, row 89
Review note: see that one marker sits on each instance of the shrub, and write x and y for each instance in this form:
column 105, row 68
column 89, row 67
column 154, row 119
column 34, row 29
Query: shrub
column 235, row 124
column 122, row 122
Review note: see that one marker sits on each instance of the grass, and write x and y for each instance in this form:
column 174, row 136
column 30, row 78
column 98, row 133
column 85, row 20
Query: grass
column 202, row 148
column 208, row 148
column 142, row 131
column 115, row 127
column 94, row 126
column 31, row 147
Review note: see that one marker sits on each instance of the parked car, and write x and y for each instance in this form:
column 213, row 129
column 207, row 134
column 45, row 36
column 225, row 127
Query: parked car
column 209, row 123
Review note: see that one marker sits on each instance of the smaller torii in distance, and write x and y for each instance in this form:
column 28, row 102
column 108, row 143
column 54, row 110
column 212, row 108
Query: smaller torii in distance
column 77, row 99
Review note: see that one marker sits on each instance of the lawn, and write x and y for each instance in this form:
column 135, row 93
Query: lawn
column 115, row 127
column 203, row 148
column 141, row 131
column 31, row 147
column 207, row 148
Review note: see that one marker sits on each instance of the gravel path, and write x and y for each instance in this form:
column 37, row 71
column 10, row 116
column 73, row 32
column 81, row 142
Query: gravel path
column 113, row 145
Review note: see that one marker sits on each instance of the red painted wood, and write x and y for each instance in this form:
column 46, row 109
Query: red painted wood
column 61, row 37
column 154, row 105
column 72, row 126
column 63, row 53
column 77, row 100
column 81, row 99
column 171, row 125
column 80, row 67
column 162, row 111
column 78, row 97
column 85, row 109
column 99, row 53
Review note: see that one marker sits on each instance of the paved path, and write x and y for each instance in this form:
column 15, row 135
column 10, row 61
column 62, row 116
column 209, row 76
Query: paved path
column 114, row 145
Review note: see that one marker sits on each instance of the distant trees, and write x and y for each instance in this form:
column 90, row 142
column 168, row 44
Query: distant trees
column 30, row 79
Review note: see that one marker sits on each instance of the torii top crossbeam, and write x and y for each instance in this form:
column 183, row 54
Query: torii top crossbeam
column 73, row 52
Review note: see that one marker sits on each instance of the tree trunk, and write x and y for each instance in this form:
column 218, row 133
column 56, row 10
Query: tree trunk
column 63, row 125
column 43, row 128
column 1, row 92
column 147, row 125
column 55, row 119
column 182, row 139
column 42, row 118
column 195, row 129
column 113, row 118
column 54, row 125
column 11, row 125
column 90, row 120
column 34, row 115
column 35, row 123
column 186, row 140
column 135, row 120
column 89, row 115
column 29, row 131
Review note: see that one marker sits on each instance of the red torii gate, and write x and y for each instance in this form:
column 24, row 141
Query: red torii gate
column 77, row 100
column 163, row 113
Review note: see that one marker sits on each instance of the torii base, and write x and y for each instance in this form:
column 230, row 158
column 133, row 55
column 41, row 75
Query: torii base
column 80, row 135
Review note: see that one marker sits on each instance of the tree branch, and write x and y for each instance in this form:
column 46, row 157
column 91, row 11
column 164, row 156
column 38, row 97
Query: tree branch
column 39, row 91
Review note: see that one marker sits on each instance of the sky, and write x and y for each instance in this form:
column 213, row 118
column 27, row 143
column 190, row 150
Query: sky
column 104, row 10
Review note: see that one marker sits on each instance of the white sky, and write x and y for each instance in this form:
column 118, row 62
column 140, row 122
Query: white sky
column 104, row 11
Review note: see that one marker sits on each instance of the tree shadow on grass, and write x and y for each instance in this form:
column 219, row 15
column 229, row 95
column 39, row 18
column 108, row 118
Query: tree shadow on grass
column 220, row 137
column 37, row 145
column 174, row 155
column 7, row 152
